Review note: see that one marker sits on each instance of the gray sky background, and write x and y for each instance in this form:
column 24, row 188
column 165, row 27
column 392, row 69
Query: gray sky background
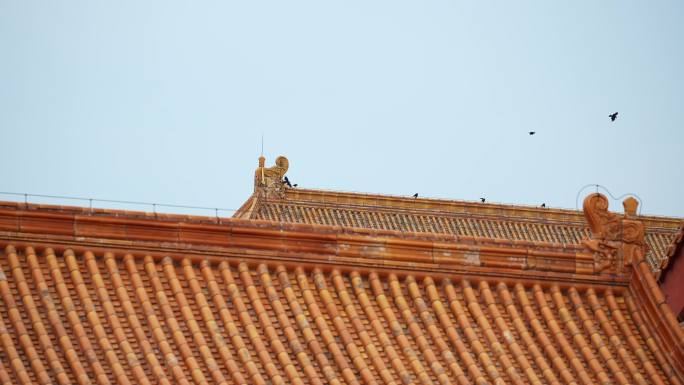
column 166, row 101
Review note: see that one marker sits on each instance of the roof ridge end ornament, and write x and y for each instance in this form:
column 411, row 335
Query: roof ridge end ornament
column 616, row 241
column 268, row 181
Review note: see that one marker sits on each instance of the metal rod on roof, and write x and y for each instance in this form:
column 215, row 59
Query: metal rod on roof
column 605, row 189
column 91, row 200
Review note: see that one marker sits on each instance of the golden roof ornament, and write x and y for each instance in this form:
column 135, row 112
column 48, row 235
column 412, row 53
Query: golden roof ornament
column 268, row 181
column 617, row 241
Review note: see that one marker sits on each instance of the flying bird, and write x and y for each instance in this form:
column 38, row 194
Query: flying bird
column 482, row 200
column 532, row 132
column 415, row 195
column 613, row 116
column 287, row 182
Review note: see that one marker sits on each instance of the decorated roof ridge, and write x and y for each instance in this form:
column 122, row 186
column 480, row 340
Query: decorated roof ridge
column 306, row 243
column 270, row 187
column 487, row 209
column 459, row 208
column 104, row 213
column 608, row 253
column 100, row 214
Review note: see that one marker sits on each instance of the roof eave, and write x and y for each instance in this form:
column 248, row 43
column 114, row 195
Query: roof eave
column 303, row 243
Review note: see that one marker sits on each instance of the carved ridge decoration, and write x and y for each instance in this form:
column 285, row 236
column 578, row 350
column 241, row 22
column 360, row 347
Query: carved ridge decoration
column 268, row 181
column 617, row 241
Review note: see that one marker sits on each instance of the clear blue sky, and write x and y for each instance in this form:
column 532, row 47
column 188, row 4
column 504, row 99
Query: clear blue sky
column 166, row 101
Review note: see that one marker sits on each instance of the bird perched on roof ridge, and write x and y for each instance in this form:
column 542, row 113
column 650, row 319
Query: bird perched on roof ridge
column 543, row 205
column 482, row 200
column 287, row 182
column 415, row 195
column 613, row 116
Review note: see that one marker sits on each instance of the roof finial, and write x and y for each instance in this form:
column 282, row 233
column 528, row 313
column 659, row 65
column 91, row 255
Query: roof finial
column 269, row 180
column 616, row 241
column 262, row 160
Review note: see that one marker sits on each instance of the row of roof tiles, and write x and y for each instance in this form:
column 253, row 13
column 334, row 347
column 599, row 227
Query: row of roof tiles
column 109, row 319
column 522, row 229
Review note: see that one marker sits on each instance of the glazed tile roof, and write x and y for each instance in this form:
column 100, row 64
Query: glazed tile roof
column 495, row 221
column 101, row 317
column 318, row 287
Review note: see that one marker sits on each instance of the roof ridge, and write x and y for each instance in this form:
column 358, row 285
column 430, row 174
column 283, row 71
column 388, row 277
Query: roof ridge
column 361, row 199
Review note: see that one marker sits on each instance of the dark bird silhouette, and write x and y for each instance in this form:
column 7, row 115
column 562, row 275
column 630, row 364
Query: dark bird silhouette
column 543, row 205
column 415, row 195
column 294, row 185
column 482, row 200
column 287, row 182
column 613, row 116
column 532, row 132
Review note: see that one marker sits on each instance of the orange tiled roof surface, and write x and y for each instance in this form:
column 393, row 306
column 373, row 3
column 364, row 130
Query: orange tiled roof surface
column 105, row 297
column 443, row 216
column 105, row 318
